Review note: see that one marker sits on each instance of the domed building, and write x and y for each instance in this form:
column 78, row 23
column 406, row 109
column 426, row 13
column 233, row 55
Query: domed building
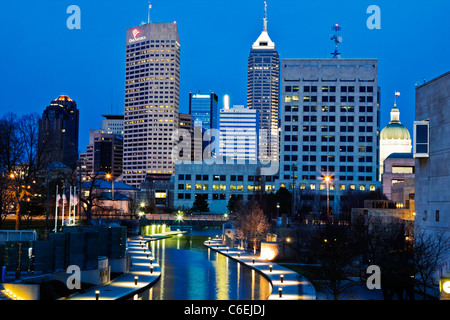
column 394, row 138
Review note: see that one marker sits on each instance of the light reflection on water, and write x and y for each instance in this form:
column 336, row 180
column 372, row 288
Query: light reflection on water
column 191, row 271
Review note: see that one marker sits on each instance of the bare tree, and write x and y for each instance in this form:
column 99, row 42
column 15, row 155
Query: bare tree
column 334, row 249
column 251, row 223
column 430, row 251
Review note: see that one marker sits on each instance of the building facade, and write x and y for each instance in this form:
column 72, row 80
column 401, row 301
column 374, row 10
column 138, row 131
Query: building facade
column 263, row 90
column 204, row 110
column 104, row 153
column 151, row 101
column 239, row 133
column 432, row 154
column 113, row 123
column 329, row 116
column 218, row 182
column 398, row 167
column 58, row 132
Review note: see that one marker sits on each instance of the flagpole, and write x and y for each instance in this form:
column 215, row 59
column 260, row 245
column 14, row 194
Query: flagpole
column 56, row 210
column 149, row 7
column 70, row 205
column 63, row 198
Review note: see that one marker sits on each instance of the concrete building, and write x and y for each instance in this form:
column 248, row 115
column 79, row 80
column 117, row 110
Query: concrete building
column 239, row 133
column 432, row 153
column 398, row 167
column 151, row 101
column 113, row 123
column 329, row 115
column 263, row 90
column 218, row 181
column 394, row 138
column 58, row 132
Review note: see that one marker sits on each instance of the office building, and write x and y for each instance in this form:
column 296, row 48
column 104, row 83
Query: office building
column 431, row 150
column 218, row 182
column 239, row 133
column 104, row 153
column 151, row 101
column 329, row 119
column 113, row 123
column 204, row 110
column 263, row 90
column 58, row 132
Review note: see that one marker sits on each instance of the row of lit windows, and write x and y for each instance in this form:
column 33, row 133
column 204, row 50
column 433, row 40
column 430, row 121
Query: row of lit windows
column 223, row 187
column 328, row 88
column 327, row 99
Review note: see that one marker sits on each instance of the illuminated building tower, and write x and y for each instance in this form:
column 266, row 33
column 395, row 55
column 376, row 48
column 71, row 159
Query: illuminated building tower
column 263, row 86
column 58, row 132
column 394, row 138
column 151, row 101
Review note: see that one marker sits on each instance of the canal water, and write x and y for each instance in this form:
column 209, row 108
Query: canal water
column 190, row 271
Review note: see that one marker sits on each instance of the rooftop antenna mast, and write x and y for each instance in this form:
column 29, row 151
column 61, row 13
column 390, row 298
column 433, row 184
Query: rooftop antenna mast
column 265, row 16
column 149, row 7
column 337, row 39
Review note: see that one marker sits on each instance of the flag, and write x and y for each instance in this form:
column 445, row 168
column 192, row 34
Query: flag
column 397, row 94
column 58, row 199
column 149, row 5
column 74, row 200
column 64, row 199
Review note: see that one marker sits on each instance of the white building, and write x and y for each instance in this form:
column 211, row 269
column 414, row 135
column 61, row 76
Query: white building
column 239, row 133
column 394, row 138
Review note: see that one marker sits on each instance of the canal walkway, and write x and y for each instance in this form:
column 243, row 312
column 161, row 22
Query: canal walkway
column 286, row 284
column 143, row 273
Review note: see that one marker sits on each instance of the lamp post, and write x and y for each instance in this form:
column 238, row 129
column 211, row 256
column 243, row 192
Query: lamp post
column 278, row 209
column 327, row 181
column 109, row 177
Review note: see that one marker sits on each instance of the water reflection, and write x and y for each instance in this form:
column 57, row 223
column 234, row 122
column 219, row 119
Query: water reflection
column 191, row 271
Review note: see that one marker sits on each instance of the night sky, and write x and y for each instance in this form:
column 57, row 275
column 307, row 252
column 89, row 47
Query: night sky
column 41, row 58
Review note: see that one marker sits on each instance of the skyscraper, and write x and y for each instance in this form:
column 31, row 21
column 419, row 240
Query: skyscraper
column 263, row 86
column 58, row 132
column 151, row 101
column 204, row 110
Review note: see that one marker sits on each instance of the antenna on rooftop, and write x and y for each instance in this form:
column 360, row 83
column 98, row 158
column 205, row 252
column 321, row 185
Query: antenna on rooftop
column 337, row 39
column 265, row 16
column 149, row 7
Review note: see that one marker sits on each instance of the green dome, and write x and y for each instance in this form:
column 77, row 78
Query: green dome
column 395, row 131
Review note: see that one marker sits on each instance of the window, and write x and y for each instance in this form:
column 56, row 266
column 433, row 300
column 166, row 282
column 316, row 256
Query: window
column 421, row 143
column 437, row 215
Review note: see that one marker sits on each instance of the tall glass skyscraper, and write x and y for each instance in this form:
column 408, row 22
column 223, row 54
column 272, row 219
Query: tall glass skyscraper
column 204, row 110
column 151, row 101
column 263, row 87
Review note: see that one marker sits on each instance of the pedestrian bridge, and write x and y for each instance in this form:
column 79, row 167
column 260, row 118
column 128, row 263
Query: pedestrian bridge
column 195, row 220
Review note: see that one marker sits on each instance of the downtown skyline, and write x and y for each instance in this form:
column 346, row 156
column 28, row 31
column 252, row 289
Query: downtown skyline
column 214, row 49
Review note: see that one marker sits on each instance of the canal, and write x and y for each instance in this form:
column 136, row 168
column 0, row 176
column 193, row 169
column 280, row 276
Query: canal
column 191, row 271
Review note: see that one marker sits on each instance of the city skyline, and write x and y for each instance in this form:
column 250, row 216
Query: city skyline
column 399, row 43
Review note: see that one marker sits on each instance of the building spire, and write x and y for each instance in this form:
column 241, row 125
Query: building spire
column 265, row 16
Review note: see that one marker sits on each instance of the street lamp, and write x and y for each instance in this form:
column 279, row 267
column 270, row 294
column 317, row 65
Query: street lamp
column 327, row 181
column 278, row 209
column 109, row 177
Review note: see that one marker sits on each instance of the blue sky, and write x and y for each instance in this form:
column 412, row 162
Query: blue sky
column 41, row 58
